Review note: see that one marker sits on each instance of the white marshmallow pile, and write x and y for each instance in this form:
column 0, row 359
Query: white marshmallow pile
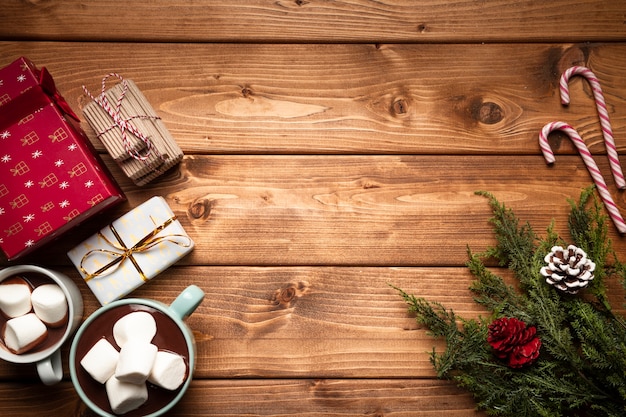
column 30, row 312
column 124, row 373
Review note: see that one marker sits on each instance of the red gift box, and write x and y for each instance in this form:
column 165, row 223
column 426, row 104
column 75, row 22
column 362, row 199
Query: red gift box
column 51, row 178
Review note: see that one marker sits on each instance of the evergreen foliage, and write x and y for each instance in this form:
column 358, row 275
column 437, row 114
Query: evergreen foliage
column 581, row 369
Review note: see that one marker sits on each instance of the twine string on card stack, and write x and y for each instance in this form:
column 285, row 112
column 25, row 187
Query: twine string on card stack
column 144, row 149
column 123, row 123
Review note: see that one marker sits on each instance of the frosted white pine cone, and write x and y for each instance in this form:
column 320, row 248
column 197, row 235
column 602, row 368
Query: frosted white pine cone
column 568, row 270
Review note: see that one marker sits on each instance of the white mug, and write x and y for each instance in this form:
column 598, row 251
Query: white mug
column 48, row 360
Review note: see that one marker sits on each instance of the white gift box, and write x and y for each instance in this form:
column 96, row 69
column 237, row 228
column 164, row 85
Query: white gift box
column 132, row 250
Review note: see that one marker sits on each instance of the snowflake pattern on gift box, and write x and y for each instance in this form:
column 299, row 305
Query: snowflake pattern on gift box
column 41, row 153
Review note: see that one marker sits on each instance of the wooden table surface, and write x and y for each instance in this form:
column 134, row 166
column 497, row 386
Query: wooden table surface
column 331, row 148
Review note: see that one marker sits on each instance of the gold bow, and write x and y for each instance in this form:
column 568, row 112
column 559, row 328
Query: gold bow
column 122, row 252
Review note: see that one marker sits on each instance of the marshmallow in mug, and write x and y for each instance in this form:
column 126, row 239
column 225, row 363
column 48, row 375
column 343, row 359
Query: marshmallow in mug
column 30, row 312
column 169, row 370
column 23, row 333
column 125, row 373
column 101, row 360
column 125, row 396
column 138, row 325
column 135, row 361
column 15, row 297
column 50, row 305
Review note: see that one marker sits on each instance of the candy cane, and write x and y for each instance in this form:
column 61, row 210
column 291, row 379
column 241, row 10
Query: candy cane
column 603, row 113
column 589, row 162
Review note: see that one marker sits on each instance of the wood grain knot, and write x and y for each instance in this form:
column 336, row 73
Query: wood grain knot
column 575, row 55
column 421, row 28
column 288, row 295
column 400, row 106
column 200, row 209
column 488, row 112
column 555, row 139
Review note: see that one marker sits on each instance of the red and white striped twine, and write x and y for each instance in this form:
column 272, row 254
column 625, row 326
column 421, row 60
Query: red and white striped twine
column 612, row 209
column 119, row 121
column 603, row 113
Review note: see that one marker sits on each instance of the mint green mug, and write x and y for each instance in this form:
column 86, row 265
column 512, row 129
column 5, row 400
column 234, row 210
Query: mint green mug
column 172, row 335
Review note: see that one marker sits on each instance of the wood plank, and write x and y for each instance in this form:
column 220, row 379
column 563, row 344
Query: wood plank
column 302, row 397
column 308, row 322
column 327, row 322
column 329, row 99
column 351, row 210
column 314, row 21
column 319, row 322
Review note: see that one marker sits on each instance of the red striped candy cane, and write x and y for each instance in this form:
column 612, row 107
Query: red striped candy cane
column 614, row 213
column 603, row 113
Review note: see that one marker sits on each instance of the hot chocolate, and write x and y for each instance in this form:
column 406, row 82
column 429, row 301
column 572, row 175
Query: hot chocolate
column 169, row 337
column 54, row 334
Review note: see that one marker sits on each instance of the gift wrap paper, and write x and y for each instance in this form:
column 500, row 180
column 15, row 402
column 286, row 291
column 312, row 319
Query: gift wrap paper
column 132, row 250
column 51, row 178
column 135, row 109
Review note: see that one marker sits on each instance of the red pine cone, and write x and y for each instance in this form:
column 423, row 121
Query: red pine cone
column 514, row 341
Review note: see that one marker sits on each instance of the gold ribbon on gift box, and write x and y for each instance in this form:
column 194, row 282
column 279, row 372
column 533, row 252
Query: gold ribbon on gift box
column 122, row 252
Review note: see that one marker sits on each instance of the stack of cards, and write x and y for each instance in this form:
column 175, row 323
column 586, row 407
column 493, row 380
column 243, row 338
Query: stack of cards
column 135, row 110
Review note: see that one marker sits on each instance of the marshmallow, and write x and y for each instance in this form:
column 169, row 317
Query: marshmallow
column 138, row 325
column 50, row 304
column 15, row 297
column 101, row 360
column 169, row 370
column 23, row 333
column 135, row 361
column 124, row 396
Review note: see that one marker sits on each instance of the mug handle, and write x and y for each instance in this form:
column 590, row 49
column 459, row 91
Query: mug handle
column 50, row 369
column 187, row 301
